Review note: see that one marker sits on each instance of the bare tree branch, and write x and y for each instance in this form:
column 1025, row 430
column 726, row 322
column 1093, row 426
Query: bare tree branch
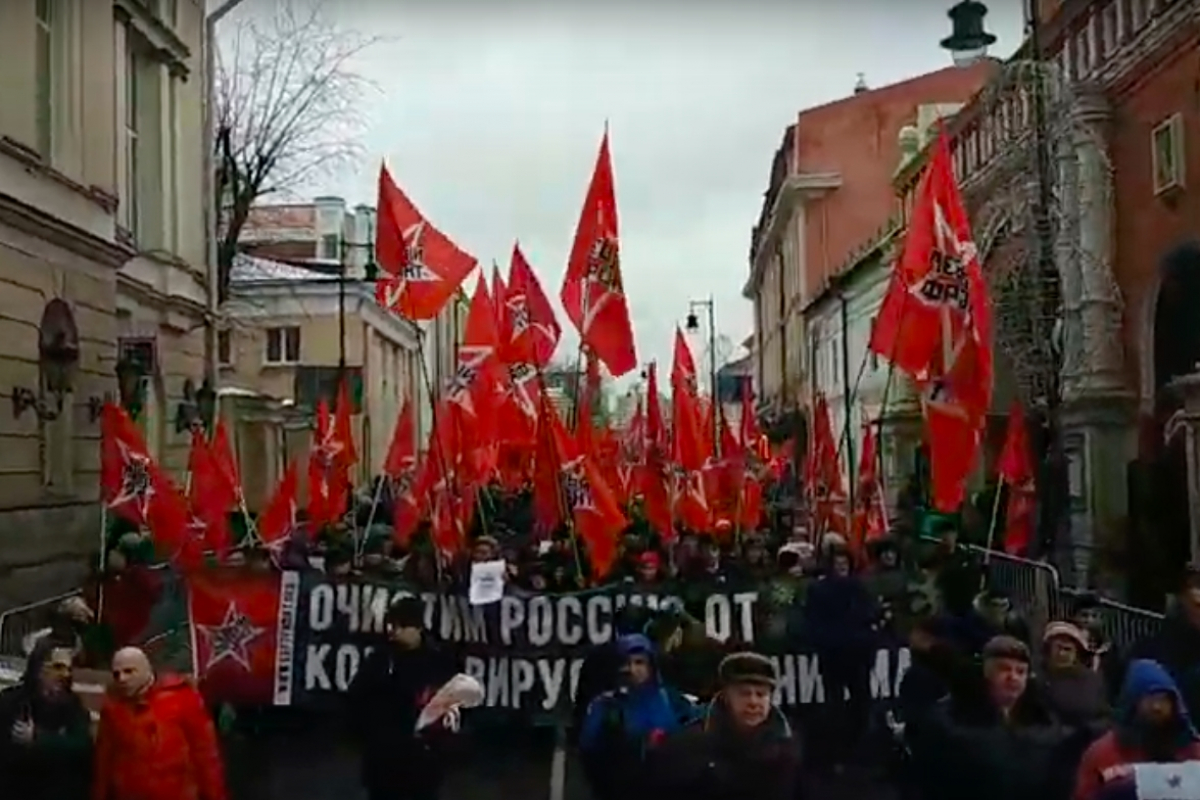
column 290, row 111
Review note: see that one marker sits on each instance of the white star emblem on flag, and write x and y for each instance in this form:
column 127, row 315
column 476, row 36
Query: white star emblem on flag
column 521, row 376
column 229, row 640
column 576, row 489
column 137, row 485
column 470, row 362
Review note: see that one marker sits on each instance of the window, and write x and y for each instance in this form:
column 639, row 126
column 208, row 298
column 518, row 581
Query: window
column 1167, row 155
column 224, row 348
column 143, row 191
column 1137, row 15
column 1119, row 16
column 331, row 247
column 283, row 345
column 45, row 48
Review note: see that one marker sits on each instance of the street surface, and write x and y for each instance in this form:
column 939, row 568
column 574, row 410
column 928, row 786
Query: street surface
column 513, row 767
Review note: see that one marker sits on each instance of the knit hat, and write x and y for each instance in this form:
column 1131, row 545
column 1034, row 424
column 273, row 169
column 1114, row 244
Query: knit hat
column 407, row 611
column 747, row 668
column 1065, row 630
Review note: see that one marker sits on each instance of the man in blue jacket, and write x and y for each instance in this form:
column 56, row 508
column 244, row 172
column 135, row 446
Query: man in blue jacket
column 621, row 725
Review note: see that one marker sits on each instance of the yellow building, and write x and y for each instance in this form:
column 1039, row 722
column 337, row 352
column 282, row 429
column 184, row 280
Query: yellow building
column 102, row 256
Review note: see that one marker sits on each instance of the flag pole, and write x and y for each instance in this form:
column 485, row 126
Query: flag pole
column 991, row 538
column 360, row 543
column 437, row 440
column 564, row 509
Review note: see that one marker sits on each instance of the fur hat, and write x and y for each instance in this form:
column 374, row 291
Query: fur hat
column 747, row 668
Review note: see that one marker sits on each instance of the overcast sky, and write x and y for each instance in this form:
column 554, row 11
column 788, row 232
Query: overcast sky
column 489, row 118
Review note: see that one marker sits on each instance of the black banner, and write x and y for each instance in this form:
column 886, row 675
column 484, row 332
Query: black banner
column 526, row 650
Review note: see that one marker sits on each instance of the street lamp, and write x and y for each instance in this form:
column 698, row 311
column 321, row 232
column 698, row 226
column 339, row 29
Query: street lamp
column 969, row 41
column 693, row 325
column 370, row 274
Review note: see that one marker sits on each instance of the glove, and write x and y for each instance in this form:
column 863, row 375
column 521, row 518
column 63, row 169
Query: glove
column 452, row 719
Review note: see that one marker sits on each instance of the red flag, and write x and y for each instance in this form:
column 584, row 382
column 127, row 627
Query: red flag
column 422, row 268
column 400, row 468
column 234, row 616
column 691, row 454
column 1016, row 470
column 226, row 461
column 823, row 475
column 477, row 378
column 278, row 519
column 655, row 478
column 593, row 292
column 135, row 488
column 870, row 516
column 210, row 497
column 328, row 462
column 499, row 309
column 533, row 329
column 935, row 324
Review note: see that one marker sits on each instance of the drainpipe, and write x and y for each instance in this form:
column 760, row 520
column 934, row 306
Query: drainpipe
column 847, row 401
column 208, row 123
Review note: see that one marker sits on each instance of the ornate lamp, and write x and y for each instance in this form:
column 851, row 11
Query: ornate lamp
column 969, row 40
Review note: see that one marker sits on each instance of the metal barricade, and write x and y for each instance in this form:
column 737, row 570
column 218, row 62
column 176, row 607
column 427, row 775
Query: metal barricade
column 1037, row 594
column 17, row 625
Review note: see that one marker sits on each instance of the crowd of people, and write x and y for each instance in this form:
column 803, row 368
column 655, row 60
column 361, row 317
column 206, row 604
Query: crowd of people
column 984, row 711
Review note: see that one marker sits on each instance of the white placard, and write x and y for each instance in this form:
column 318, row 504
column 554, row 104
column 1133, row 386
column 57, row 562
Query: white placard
column 487, row 582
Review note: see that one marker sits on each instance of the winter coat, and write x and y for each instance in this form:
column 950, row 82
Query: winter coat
column 1077, row 696
column 56, row 765
column 964, row 750
column 161, row 746
column 1107, row 766
column 1177, row 647
column 711, row 760
column 622, row 725
column 840, row 616
column 385, row 699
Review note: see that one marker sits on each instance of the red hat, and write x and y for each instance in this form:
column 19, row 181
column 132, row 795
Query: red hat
column 649, row 558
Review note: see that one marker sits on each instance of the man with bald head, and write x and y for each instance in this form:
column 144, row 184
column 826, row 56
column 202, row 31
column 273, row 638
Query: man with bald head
column 156, row 740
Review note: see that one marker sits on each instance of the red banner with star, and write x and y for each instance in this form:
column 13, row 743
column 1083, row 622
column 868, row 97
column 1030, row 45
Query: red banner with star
column 234, row 619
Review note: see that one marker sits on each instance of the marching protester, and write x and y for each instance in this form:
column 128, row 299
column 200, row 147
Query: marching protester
column 1101, row 654
column 45, row 731
column 1152, row 725
column 741, row 747
column 1176, row 646
column 156, row 740
column 622, row 725
column 393, row 684
column 841, row 619
column 1073, row 690
column 992, row 738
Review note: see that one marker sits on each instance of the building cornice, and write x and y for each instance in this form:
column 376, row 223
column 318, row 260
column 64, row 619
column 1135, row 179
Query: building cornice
column 36, row 223
column 800, row 188
column 261, row 300
column 873, row 254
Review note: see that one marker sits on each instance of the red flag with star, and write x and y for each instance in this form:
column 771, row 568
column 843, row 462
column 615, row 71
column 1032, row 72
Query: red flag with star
column 234, row 618
column 222, row 451
column 532, row 325
column 593, row 292
column 278, row 519
column 210, row 496
column 655, row 476
column 137, row 489
column 935, row 324
column 400, row 468
column 471, row 394
column 421, row 268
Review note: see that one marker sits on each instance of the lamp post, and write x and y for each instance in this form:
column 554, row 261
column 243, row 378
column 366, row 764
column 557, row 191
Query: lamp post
column 370, row 273
column 968, row 43
column 693, row 324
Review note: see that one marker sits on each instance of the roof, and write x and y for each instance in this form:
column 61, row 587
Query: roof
column 290, row 215
column 252, row 269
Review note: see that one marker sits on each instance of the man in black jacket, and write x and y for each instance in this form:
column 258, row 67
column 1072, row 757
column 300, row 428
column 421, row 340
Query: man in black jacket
column 742, row 748
column 393, row 684
column 45, row 731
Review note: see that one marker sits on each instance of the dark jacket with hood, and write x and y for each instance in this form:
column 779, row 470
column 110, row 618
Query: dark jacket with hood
column 1106, row 769
column 622, row 726
column 712, row 760
column 1177, row 648
column 965, row 750
column 391, row 687
column 56, row 765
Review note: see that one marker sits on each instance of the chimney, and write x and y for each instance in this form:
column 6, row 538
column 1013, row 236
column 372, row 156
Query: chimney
column 861, row 85
column 331, row 227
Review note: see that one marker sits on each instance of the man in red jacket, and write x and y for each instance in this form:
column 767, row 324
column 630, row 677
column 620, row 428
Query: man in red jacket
column 156, row 740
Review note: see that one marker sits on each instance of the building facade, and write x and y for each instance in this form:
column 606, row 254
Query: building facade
column 1122, row 142
column 829, row 191
column 283, row 342
column 102, row 257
